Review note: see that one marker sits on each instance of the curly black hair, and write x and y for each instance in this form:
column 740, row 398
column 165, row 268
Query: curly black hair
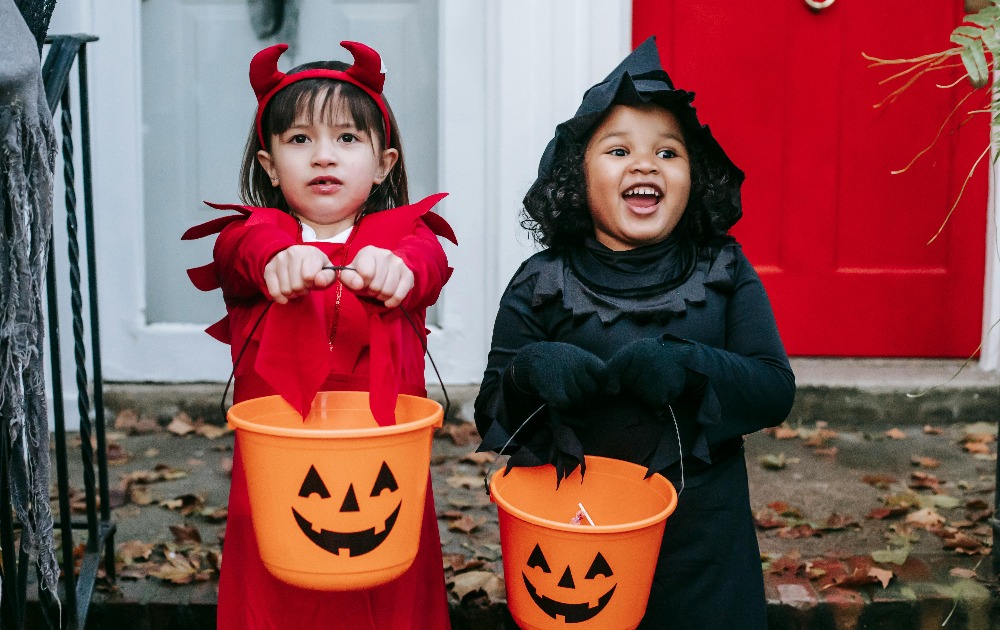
column 557, row 215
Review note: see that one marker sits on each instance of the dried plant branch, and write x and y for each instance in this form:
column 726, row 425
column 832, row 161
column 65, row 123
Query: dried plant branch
column 961, row 193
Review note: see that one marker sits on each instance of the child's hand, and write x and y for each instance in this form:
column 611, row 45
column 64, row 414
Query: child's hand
column 380, row 274
column 295, row 271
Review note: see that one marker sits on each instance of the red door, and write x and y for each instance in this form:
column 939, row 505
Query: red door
column 840, row 242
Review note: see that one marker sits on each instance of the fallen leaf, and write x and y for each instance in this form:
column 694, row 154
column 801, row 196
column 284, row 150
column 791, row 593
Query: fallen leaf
column 787, row 564
column 826, row 452
column 212, row 431
column 185, row 503
column 185, row 534
column 181, row 424
column 930, row 430
column 135, row 549
column 895, row 434
column 887, row 512
column 882, row 575
column 879, row 481
column 925, row 462
column 959, row 572
column 464, row 481
column 926, row 518
column 923, row 480
column 126, row 420
column 838, row 522
column 461, row 433
column 773, row 462
column 892, row 556
column 785, row 432
column 472, row 582
column 479, row 458
column 466, row 523
column 799, row 531
column 976, row 448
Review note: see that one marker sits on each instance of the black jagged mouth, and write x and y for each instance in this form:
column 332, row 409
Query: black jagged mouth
column 571, row 613
column 356, row 543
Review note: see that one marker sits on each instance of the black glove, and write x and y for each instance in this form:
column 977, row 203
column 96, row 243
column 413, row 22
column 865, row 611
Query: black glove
column 651, row 369
column 561, row 374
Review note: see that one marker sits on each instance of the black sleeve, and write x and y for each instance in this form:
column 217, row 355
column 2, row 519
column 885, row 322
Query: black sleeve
column 749, row 384
column 501, row 407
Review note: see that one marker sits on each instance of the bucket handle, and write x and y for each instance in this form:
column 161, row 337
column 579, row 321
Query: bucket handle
column 489, row 471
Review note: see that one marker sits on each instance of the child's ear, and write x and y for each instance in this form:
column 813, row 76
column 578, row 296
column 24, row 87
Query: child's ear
column 389, row 158
column 267, row 163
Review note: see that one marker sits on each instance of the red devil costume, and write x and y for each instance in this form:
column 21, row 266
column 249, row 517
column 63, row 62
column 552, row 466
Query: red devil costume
column 330, row 339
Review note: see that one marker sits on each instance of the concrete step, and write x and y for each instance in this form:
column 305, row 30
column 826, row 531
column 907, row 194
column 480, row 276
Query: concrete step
column 840, row 391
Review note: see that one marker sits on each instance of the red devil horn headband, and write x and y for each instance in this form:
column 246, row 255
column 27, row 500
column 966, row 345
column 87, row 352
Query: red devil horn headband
column 366, row 73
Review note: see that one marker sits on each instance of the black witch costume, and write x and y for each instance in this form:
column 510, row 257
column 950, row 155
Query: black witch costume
column 705, row 305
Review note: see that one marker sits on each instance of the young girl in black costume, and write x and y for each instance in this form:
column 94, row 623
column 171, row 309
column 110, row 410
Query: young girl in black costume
column 642, row 333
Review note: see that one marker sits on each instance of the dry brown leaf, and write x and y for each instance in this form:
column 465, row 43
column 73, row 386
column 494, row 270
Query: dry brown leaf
column 826, row 452
column 461, row 433
column 926, row 518
column 895, row 434
column 959, row 572
column 184, row 534
column 930, row 430
column 879, row 481
column 212, row 431
column 925, row 462
column 135, row 549
column 784, row 432
column 976, row 448
column 466, row 523
column 140, row 495
column 471, row 582
column 479, row 458
column 887, row 512
column 464, row 481
column 181, row 424
column 126, row 420
column 185, row 503
column 882, row 575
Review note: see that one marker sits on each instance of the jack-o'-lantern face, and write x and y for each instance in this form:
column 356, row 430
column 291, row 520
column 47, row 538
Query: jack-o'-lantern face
column 574, row 599
column 335, row 529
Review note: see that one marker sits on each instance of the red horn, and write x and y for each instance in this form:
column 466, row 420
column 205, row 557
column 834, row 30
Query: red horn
column 264, row 73
column 367, row 68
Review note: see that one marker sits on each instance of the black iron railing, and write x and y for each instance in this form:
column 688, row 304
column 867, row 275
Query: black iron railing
column 78, row 577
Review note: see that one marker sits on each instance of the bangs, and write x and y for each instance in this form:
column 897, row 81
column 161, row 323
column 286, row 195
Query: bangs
column 333, row 101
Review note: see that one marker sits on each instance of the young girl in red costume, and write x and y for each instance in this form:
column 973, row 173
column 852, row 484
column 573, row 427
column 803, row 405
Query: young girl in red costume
column 320, row 272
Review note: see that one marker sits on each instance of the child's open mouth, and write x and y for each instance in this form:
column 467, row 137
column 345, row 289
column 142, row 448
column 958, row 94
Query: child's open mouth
column 325, row 183
column 642, row 197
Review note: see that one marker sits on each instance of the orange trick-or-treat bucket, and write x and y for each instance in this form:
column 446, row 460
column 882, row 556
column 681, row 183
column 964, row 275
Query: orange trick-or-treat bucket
column 581, row 556
column 336, row 501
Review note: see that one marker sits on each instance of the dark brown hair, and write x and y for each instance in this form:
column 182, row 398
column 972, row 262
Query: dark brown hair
column 332, row 98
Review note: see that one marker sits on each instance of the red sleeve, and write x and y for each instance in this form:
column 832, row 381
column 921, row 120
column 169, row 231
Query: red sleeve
column 425, row 257
column 244, row 248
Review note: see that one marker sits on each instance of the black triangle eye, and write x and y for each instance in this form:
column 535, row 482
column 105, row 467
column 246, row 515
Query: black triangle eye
column 537, row 559
column 383, row 481
column 600, row 566
column 313, row 484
